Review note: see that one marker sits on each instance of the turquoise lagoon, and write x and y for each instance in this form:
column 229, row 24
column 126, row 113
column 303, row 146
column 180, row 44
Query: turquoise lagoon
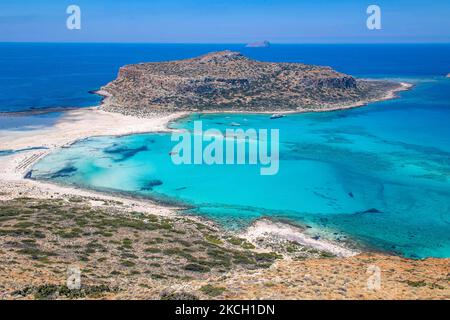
column 379, row 174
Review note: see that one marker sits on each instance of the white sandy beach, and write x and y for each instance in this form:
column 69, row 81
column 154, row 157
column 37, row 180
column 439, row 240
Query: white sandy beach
column 265, row 228
column 83, row 123
column 74, row 125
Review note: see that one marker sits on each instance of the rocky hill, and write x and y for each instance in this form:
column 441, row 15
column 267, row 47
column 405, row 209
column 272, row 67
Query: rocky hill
column 229, row 81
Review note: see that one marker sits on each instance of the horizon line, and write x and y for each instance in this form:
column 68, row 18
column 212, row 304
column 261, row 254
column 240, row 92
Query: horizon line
column 220, row 43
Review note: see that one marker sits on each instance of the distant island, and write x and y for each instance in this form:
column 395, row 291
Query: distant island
column 228, row 81
column 258, row 44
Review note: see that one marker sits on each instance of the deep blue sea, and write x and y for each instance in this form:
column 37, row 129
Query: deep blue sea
column 61, row 75
column 379, row 174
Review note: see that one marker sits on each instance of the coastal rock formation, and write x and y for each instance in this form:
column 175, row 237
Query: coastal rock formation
column 229, row 81
column 258, row 44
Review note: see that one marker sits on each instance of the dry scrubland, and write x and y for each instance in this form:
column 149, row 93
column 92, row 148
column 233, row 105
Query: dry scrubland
column 125, row 255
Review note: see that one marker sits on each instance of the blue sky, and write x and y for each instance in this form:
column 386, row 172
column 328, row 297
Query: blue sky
column 230, row 21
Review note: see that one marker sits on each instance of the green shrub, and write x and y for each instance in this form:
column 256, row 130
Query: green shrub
column 196, row 267
column 211, row 290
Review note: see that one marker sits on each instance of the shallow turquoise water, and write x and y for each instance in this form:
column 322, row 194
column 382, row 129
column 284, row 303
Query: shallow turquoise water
column 379, row 174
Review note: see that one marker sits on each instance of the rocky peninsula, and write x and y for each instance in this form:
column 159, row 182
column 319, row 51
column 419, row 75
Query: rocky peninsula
column 227, row 81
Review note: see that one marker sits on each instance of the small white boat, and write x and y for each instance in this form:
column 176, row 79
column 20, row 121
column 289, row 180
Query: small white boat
column 277, row 116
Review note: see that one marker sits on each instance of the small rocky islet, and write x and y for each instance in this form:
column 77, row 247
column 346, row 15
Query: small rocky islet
column 258, row 44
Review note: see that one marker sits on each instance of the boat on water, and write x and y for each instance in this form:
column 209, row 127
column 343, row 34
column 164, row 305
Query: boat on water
column 277, row 116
